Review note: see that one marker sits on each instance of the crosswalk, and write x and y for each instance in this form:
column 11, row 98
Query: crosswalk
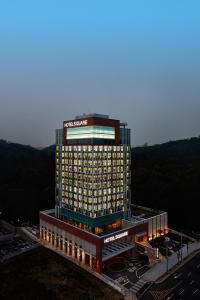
column 161, row 295
column 138, row 285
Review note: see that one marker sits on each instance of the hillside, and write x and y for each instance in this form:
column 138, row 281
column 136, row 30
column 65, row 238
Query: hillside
column 26, row 181
column 165, row 176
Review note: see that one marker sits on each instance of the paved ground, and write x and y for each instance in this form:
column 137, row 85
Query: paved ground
column 170, row 243
column 15, row 246
column 183, row 284
column 127, row 272
column 160, row 269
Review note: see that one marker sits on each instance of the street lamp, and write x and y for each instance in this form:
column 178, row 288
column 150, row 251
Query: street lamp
column 178, row 255
column 187, row 247
column 167, row 252
column 181, row 245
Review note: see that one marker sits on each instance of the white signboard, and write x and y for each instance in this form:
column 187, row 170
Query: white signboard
column 115, row 237
column 76, row 123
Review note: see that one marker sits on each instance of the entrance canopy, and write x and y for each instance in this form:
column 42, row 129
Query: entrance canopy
column 116, row 248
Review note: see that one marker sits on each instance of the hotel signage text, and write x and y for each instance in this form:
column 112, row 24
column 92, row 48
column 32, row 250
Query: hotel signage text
column 76, row 123
column 115, row 237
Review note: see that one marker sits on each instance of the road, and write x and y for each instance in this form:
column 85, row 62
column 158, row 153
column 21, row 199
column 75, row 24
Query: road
column 183, row 284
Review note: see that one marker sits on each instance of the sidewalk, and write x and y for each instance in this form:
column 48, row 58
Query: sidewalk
column 161, row 268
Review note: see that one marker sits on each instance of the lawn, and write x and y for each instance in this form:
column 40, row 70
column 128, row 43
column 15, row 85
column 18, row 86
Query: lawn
column 41, row 274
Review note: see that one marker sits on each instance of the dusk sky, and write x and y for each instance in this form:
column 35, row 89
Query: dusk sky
column 138, row 61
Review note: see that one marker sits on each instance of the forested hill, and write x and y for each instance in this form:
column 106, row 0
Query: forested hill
column 26, row 181
column 165, row 176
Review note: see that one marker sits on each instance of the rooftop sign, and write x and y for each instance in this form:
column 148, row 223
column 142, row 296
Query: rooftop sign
column 115, row 237
column 76, row 123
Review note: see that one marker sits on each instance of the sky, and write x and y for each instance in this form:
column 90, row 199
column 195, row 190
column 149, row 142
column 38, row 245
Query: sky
column 137, row 61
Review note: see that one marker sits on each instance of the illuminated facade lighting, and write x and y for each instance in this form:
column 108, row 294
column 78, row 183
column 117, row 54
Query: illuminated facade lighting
column 91, row 220
column 93, row 171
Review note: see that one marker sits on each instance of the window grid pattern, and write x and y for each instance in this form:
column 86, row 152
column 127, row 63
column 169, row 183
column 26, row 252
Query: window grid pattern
column 95, row 179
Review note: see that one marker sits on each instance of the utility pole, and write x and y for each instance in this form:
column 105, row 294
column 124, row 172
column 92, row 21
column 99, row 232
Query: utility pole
column 181, row 246
column 178, row 255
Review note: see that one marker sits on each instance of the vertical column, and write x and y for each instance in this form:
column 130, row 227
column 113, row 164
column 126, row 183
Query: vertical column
column 52, row 234
column 90, row 251
column 63, row 243
column 40, row 229
column 45, row 234
column 99, row 258
column 58, row 240
column 90, row 260
column 52, row 238
column 44, row 230
column 55, row 235
column 49, row 235
column 78, row 251
column 83, row 257
column 41, row 232
column 67, row 246
column 83, row 252
column 73, row 252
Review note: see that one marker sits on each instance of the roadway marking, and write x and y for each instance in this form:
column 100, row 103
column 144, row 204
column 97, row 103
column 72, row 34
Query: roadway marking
column 178, row 275
column 195, row 291
column 160, row 295
column 191, row 282
column 172, row 295
column 181, row 292
column 136, row 272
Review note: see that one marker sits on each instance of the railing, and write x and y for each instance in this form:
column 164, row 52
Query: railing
column 182, row 234
column 160, row 269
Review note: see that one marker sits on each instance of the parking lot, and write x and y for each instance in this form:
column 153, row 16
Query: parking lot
column 170, row 244
column 15, row 246
column 126, row 271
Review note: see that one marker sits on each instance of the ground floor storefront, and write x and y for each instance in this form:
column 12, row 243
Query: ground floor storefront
column 84, row 247
column 75, row 247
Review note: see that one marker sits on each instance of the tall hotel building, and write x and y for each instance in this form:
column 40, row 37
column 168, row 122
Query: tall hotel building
column 91, row 222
